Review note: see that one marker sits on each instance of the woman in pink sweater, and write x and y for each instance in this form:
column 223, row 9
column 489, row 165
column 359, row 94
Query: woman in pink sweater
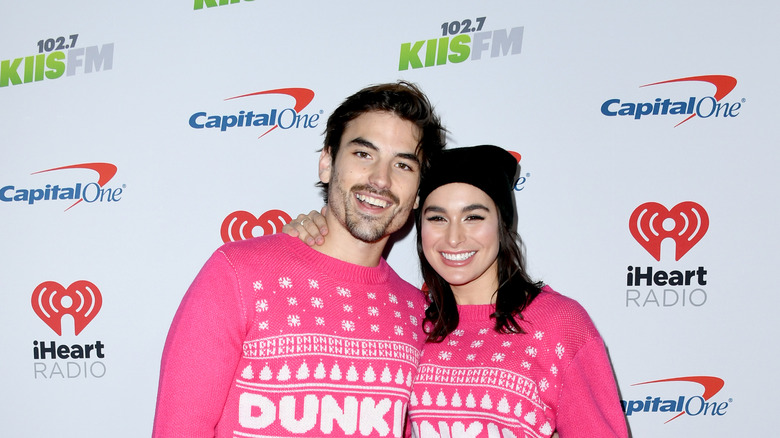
column 505, row 356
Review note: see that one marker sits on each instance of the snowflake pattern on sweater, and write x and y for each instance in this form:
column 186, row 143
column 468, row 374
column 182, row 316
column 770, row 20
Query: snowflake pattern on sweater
column 323, row 347
column 480, row 383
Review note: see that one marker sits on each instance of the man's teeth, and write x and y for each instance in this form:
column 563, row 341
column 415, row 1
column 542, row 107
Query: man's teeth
column 458, row 257
column 371, row 200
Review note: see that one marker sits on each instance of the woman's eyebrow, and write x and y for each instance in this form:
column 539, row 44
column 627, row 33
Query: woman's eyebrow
column 466, row 209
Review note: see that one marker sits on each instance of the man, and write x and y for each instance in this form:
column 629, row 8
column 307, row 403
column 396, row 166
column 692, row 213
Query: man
column 277, row 339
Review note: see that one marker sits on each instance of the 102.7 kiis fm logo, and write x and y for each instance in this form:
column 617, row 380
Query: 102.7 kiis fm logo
column 651, row 224
column 199, row 4
column 460, row 41
column 56, row 56
column 81, row 302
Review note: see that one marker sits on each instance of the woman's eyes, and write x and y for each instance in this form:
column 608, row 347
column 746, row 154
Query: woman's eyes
column 471, row 217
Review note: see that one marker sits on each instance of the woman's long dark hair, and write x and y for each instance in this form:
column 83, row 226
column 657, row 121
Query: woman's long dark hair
column 515, row 288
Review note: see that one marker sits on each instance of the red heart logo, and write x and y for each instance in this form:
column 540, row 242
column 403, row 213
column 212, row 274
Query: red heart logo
column 239, row 225
column 81, row 300
column 647, row 226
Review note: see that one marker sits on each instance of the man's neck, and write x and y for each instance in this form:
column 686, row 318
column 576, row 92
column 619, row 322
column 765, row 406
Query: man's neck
column 341, row 244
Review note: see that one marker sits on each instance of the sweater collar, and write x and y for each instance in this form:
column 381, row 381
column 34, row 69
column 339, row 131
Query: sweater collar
column 475, row 312
column 337, row 268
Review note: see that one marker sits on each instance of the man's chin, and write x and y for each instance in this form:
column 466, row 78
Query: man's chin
column 367, row 236
column 369, row 231
column 372, row 229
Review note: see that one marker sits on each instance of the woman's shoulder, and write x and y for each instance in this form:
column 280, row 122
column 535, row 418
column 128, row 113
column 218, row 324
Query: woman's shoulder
column 552, row 301
column 556, row 312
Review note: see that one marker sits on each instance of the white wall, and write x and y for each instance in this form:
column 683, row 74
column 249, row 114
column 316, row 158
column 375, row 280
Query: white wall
column 124, row 93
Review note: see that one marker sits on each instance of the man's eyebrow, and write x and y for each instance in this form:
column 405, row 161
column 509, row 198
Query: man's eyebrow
column 363, row 142
column 410, row 157
column 360, row 141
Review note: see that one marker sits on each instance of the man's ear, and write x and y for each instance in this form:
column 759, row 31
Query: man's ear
column 326, row 164
column 416, row 202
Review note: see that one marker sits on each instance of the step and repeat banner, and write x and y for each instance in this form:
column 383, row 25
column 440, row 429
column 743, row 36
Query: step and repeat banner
column 137, row 137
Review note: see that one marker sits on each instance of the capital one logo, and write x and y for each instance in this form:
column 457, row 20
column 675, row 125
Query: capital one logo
column 681, row 404
column 283, row 118
column 81, row 300
column 90, row 192
column 240, row 225
column 522, row 179
column 712, row 106
column 686, row 223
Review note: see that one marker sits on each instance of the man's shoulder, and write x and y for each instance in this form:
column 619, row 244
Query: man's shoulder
column 261, row 247
column 404, row 288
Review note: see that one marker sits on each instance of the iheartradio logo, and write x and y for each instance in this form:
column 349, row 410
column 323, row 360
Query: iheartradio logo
column 686, row 223
column 81, row 300
column 240, row 225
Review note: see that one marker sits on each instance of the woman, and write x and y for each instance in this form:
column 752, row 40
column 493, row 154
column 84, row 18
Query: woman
column 505, row 357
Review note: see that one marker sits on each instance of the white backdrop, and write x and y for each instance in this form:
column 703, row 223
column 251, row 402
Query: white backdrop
column 119, row 83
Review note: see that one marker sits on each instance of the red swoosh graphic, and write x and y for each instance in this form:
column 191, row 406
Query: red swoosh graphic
column 105, row 171
column 723, row 86
column 302, row 96
column 712, row 385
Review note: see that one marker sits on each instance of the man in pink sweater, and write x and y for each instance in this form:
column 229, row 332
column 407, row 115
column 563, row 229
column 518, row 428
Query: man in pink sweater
column 277, row 339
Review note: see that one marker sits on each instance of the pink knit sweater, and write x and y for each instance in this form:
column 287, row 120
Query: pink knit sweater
column 555, row 376
column 276, row 339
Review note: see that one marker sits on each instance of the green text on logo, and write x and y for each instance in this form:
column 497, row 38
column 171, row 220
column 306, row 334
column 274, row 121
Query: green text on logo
column 440, row 51
column 213, row 3
column 53, row 65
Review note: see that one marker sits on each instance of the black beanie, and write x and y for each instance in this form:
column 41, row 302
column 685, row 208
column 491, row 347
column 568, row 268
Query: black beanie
column 488, row 168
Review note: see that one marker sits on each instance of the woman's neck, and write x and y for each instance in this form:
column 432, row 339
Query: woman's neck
column 481, row 290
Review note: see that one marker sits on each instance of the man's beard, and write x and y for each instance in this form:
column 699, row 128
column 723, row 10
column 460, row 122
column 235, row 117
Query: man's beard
column 367, row 228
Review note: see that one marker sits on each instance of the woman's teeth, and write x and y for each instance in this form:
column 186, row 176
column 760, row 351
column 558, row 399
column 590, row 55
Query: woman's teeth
column 459, row 257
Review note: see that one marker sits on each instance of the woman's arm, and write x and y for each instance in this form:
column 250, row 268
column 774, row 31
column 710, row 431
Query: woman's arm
column 310, row 228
